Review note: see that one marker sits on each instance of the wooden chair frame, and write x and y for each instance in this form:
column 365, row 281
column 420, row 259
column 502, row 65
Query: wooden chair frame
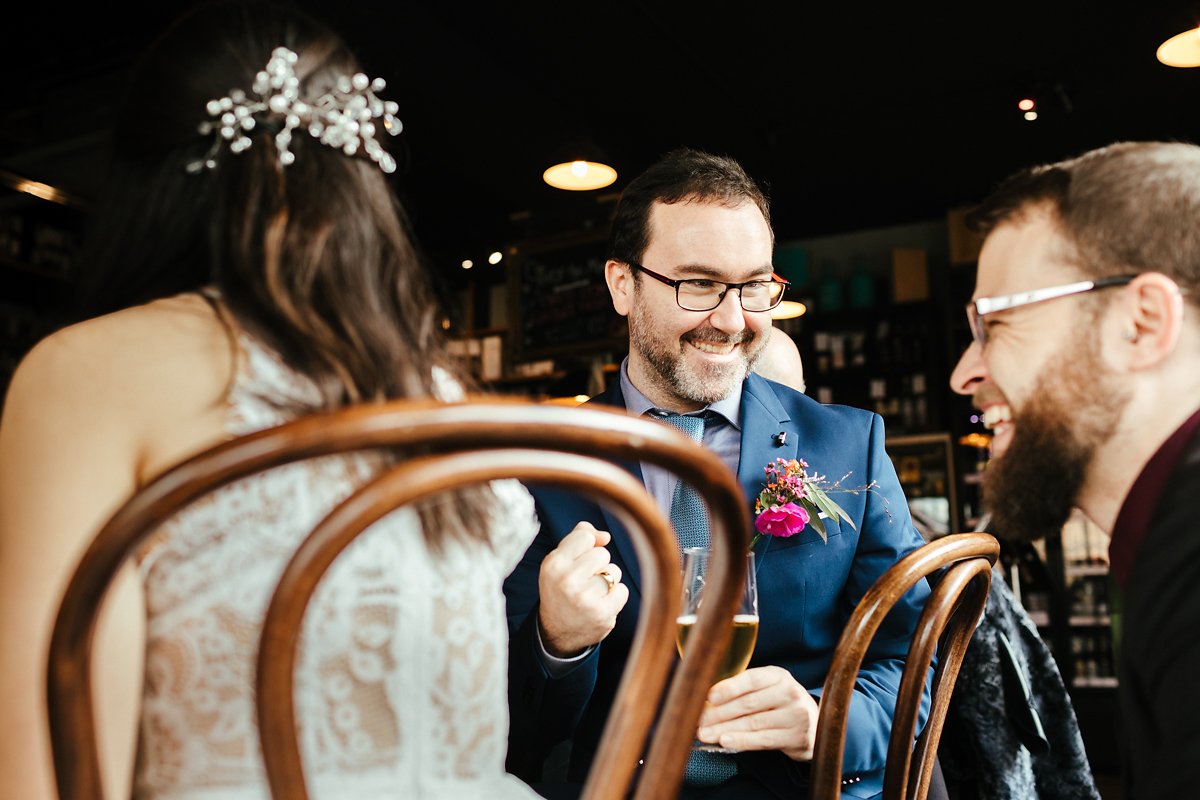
column 951, row 613
column 540, row 443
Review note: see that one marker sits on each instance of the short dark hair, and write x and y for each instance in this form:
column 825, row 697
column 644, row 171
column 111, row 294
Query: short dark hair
column 682, row 174
column 1127, row 207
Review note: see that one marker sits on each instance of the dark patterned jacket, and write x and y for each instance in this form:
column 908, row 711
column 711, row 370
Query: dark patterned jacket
column 1004, row 740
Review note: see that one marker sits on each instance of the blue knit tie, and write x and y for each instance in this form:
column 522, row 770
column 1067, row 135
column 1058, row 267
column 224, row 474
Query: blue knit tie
column 688, row 513
column 690, row 520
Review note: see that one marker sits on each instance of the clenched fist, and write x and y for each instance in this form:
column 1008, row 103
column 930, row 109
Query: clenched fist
column 581, row 592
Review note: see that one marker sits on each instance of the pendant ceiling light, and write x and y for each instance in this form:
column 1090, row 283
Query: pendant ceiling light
column 580, row 165
column 1181, row 50
column 788, row 309
column 580, row 175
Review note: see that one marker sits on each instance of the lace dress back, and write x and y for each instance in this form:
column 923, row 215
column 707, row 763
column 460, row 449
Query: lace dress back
column 401, row 684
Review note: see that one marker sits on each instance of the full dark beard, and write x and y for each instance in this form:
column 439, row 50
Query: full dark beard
column 1073, row 409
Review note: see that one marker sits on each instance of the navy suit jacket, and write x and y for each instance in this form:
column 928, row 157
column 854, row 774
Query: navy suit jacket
column 807, row 589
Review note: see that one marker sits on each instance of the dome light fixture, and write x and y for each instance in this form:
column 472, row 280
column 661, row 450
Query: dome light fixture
column 1181, row 50
column 579, row 175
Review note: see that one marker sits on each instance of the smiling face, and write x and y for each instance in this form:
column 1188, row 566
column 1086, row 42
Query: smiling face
column 1025, row 254
column 1044, row 390
column 684, row 360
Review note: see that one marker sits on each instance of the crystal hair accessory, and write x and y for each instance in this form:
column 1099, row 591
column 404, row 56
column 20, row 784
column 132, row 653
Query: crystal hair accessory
column 344, row 118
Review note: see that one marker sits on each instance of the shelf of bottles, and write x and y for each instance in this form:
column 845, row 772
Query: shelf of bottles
column 885, row 360
column 1083, row 619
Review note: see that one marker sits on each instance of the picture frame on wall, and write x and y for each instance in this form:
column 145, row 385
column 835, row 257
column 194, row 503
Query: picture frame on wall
column 925, row 466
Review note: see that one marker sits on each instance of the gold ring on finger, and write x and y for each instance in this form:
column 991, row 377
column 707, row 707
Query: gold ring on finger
column 609, row 579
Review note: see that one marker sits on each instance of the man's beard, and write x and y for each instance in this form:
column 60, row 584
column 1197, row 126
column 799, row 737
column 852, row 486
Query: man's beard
column 1073, row 410
column 674, row 374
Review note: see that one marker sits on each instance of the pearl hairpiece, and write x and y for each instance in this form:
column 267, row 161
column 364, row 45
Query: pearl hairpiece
column 343, row 118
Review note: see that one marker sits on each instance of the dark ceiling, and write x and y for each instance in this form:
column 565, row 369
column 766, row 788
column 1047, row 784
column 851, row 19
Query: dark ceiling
column 854, row 118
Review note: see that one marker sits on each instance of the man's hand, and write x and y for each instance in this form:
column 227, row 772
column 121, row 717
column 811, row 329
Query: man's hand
column 761, row 709
column 579, row 606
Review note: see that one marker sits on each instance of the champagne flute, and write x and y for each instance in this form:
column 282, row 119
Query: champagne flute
column 745, row 620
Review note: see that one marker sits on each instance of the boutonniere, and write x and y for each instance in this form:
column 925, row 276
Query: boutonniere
column 793, row 499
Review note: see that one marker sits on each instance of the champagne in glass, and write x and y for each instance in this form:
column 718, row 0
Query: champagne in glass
column 745, row 619
column 741, row 646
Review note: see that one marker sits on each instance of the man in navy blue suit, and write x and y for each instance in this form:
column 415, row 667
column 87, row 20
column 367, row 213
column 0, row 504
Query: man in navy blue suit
column 690, row 266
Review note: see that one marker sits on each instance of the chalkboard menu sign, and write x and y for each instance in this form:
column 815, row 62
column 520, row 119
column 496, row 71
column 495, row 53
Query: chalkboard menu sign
column 562, row 301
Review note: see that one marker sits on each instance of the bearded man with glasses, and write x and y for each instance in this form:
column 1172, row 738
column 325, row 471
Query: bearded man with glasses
column 690, row 268
column 1086, row 366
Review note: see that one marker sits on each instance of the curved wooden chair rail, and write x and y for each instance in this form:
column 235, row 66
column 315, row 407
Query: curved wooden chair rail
column 551, row 444
column 951, row 613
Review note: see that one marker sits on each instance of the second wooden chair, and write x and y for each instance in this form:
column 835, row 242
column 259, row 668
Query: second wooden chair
column 943, row 632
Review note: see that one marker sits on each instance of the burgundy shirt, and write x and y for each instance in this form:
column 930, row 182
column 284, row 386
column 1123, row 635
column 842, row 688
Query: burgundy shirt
column 1134, row 518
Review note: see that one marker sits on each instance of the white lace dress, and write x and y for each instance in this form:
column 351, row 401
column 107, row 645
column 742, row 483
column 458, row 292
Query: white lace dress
column 401, row 683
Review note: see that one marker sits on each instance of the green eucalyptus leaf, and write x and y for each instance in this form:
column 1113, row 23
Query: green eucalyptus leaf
column 834, row 511
column 825, row 504
column 819, row 527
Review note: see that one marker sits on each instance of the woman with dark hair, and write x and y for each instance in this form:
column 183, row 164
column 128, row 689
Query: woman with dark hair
column 257, row 267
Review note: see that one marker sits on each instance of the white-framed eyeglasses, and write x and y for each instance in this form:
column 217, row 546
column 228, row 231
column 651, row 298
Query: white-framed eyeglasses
column 980, row 308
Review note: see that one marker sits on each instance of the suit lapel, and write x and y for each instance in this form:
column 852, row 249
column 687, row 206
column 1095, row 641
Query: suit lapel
column 763, row 418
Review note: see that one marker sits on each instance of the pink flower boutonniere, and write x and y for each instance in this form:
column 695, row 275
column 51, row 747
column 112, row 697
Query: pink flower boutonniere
column 794, row 499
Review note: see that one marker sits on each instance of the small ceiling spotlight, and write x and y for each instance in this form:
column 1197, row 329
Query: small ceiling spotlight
column 1026, row 104
column 467, row 263
column 495, row 257
column 1030, row 116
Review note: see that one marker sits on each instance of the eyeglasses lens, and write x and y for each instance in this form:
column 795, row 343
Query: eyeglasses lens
column 707, row 295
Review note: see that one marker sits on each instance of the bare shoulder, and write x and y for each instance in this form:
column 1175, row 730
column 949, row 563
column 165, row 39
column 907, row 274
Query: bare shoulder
column 151, row 337
column 126, row 353
column 139, row 374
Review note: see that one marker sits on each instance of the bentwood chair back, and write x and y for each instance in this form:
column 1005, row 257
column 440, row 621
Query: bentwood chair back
column 478, row 440
column 943, row 631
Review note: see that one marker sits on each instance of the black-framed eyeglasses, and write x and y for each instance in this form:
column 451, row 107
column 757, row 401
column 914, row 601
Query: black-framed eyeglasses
column 704, row 294
column 978, row 309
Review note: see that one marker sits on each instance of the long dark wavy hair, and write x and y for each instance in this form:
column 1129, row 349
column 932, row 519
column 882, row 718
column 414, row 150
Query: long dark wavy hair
column 314, row 259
